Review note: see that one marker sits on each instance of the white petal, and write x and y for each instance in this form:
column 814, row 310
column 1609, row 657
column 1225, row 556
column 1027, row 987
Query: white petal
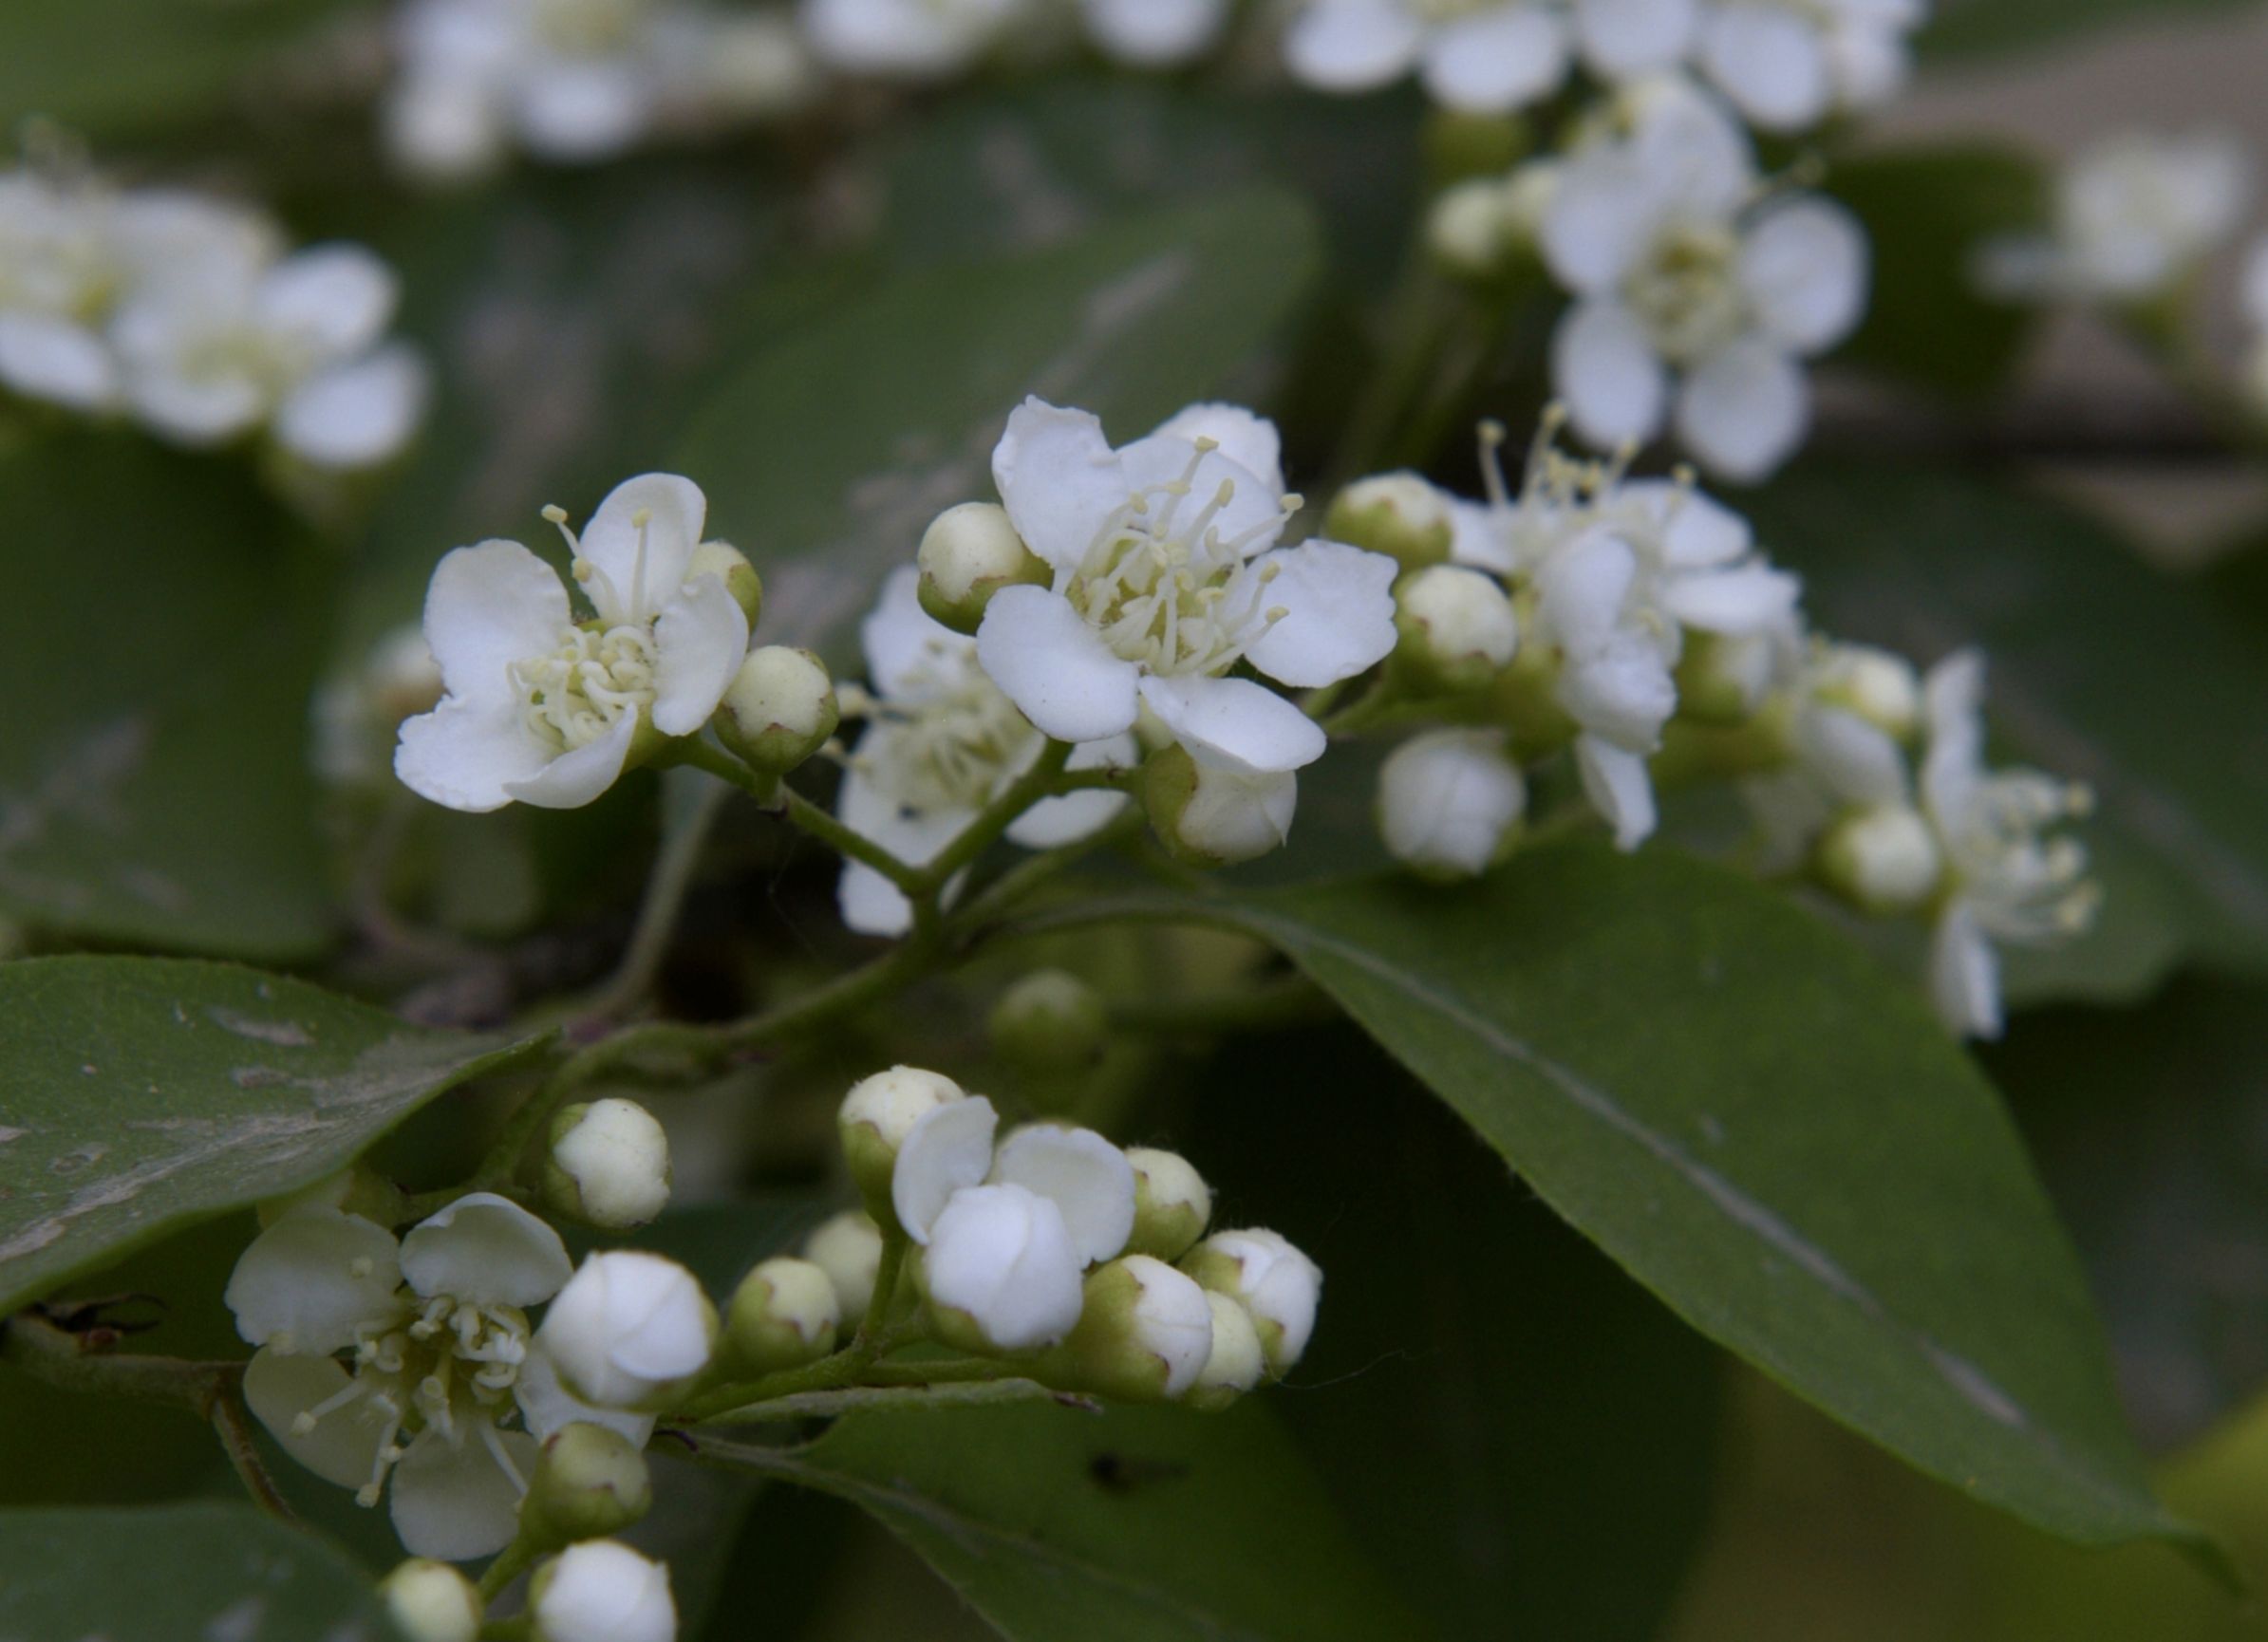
column 55, row 360
column 580, row 110
column 1772, row 61
column 453, row 1501
column 1246, row 437
column 1086, row 1178
column 308, row 1282
column 865, row 805
column 1605, row 369
column 640, row 570
column 1743, row 411
column 197, row 410
column 1076, row 816
column 1058, row 480
column 1339, row 604
column 1606, row 207
column 1803, row 266
column 1003, row 1255
column 1236, row 814
column 1580, row 590
column 1742, row 602
column 1040, row 652
column 1868, row 63
column 1155, row 33
column 1964, row 976
column 1478, row 537
column 870, row 903
column 1856, row 761
column 1698, row 531
column 356, row 415
column 909, row 654
column 335, row 299
column 1621, row 39
column 700, row 640
column 1247, row 724
column 1496, row 61
column 549, row 1408
column 1622, row 692
column 468, row 752
column 949, row 1147
column 1352, row 44
column 1247, row 507
column 573, row 779
column 485, row 1249
column 343, row 1447
column 1446, row 798
column 1619, row 788
column 444, row 126
column 488, row 606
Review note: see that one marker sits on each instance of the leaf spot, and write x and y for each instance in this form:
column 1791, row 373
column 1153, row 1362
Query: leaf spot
column 286, row 1034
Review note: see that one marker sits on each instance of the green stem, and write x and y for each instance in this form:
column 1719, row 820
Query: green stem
column 1021, row 880
column 888, row 1272
column 859, row 1399
column 665, row 890
column 511, row 1563
column 1036, row 783
column 231, row 1423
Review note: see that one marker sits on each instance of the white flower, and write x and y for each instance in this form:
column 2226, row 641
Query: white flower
column 543, row 709
column 630, row 1330
column 1088, row 1178
column 602, row 1591
column 1448, row 799
column 1789, row 64
column 1272, row 1279
column 942, row 742
column 1155, row 33
column 2135, row 213
column 358, row 713
column 1001, row 1271
column 1694, row 300
column 907, row 39
column 1483, row 56
column 2005, row 880
column 438, row 1326
column 1165, row 579
column 58, row 273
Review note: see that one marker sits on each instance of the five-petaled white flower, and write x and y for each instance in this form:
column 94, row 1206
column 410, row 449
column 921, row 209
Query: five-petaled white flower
column 1789, row 64
column 544, row 709
column 1166, row 576
column 1484, row 56
column 438, row 1328
column 941, row 742
column 1683, row 272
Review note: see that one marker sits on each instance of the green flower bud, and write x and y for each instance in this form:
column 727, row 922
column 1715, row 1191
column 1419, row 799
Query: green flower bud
column 430, row 1601
column 591, row 1480
column 608, row 1164
column 1207, row 815
column 778, row 710
column 1236, row 1363
column 1144, row 1332
column 876, row 1116
column 1884, row 861
column 968, row 554
column 1457, row 628
column 731, row 566
column 1049, row 1022
column 1401, row 515
column 1876, row 685
column 1172, row 1203
column 783, row 1314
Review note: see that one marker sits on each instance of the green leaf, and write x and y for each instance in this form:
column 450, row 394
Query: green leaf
column 830, row 453
column 165, row 1573
column 2100, row 669
column 1138, row 1525
column 158, row 648
column 141, row 1094
column 1926, row 210
column 1763, row 1129
column 1976, row 27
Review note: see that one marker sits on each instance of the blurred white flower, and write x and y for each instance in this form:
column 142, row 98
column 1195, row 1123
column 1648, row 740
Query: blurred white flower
column 358, row 713
column 1155, row 33
column 544, row 710
column 1789, row 64
column 602, row 1591
column 1484, row 56
column 1697, row 294
column 2253, row 297
column 908, row 39
column 2134, row 214
column 1448, row 799
column 941, row 742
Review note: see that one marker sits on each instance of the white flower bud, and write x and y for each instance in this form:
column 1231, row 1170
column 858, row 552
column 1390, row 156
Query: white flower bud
column 430, row 1601
column 1212, row 815
column 602, row 1591
column 848, row 1247
column 948, row 1148
column 731, row 566
column 1884, row 861
column 968, row 554
column 630, row 1330
column 1000, row 1274
column 1272, row 1279
column 780, row 709
column 1401, row 514
column 875, row 1119
column 1049, row 1022
column 783, row 1314
column 1088, row 1178
column 1876, row 685
column 1449, row 802
column 1457, row 628
column 1235, row 1364
column 1172, row 1203
column 591, row 1480
column 608, row 1164
column 1467, row 228
column 1144, row 1331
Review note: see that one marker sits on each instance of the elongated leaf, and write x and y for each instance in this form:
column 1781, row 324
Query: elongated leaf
column 830, row 452
column 170, row 1573
column 1764, row 1128
column 1140, row 1525
column 2101, row 670
column 140, row 1094
column 158, row 648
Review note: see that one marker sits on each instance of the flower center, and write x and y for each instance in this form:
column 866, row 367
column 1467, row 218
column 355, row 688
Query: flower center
column 1165, row 590
column 950, row 749
column 2024, row 886
column 1684, row 290
column 577, row 693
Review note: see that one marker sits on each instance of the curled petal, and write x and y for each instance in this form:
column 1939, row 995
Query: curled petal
column 573, row 779
column 1247, row 725
column 1059, row 479
column 487, row 1250
column 641, row 566
column 948, row 1148
column 698, row 642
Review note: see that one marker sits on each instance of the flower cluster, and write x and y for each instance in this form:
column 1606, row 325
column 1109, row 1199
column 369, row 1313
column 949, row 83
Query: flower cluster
column 191, row 315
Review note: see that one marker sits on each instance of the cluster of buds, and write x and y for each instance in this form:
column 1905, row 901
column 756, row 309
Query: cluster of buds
column 1086, row 1265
